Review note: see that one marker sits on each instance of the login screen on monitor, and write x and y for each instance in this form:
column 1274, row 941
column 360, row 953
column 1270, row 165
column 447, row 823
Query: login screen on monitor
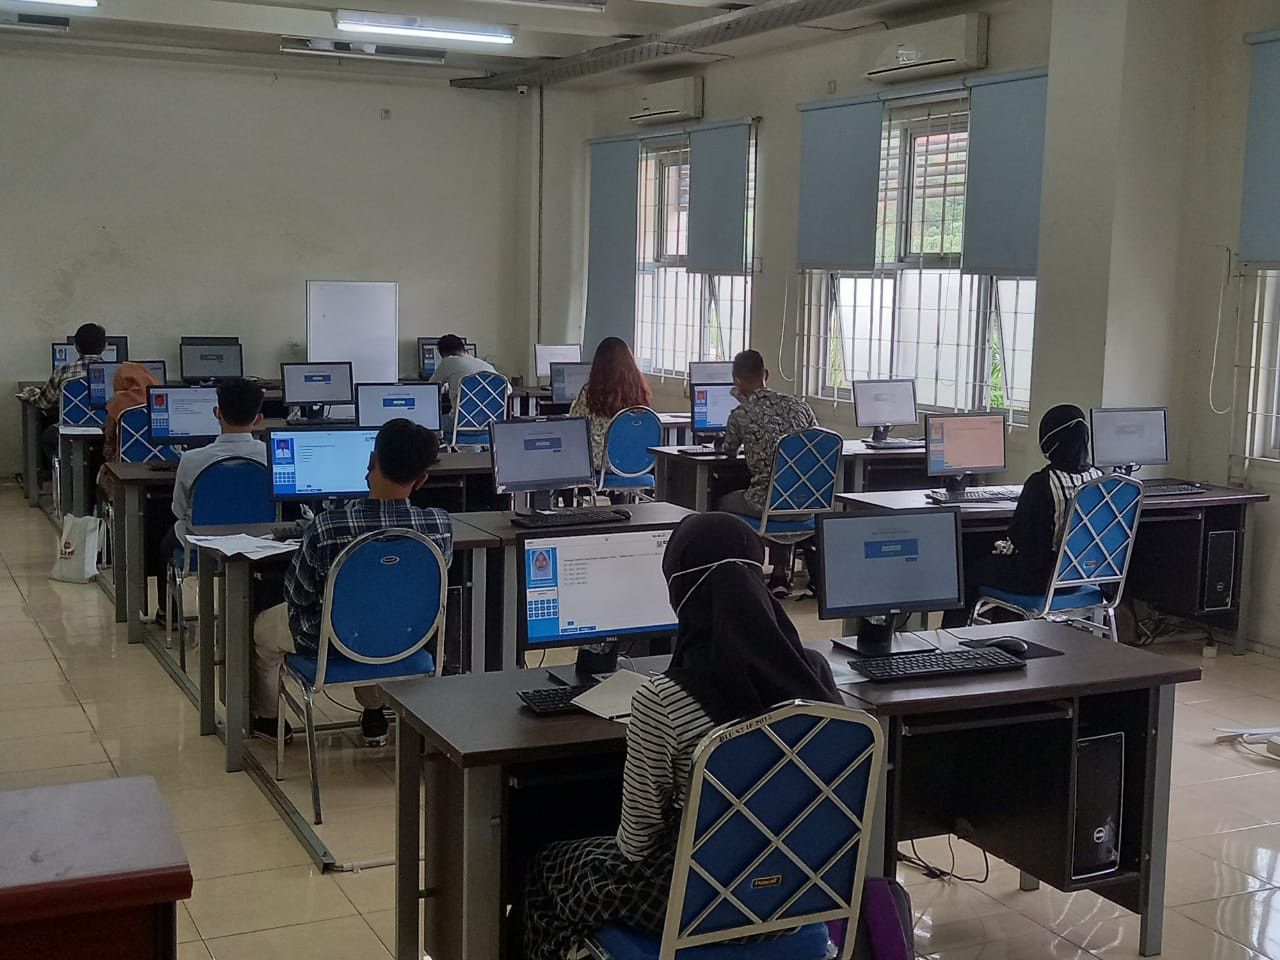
column 179, row 413
column 712, row 404
column 320, row 463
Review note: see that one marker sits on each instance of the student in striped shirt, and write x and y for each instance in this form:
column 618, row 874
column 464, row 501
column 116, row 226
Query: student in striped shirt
column 737, row 655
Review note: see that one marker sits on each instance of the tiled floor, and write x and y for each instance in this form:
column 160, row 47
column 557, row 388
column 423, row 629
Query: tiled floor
column 77, row 703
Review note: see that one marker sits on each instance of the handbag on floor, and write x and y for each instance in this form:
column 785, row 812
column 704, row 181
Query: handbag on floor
column 77, row 560
column 884, row 923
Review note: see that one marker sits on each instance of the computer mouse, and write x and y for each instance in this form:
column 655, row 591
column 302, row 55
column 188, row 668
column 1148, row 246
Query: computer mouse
column 1010, row 645
column 623, row 512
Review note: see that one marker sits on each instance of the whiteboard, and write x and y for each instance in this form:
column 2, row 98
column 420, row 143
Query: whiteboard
column 355, row 321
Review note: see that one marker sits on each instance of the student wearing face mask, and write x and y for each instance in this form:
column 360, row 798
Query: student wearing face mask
column 1023, row 561
column 736, row 656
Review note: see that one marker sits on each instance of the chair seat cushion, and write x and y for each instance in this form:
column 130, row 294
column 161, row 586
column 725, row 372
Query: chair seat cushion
column 800, row 525
column 807, row 943
column 643, row 481
column 1076, row 599
column 340, row 669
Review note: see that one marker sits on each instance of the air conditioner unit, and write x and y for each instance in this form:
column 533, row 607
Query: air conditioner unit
column 952, row 45
column 668, row 101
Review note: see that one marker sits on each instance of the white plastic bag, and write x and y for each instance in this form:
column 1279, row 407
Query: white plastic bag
column 77, row 560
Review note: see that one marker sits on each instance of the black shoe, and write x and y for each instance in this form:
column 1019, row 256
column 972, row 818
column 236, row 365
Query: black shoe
column 373, row 727
column 265, row 727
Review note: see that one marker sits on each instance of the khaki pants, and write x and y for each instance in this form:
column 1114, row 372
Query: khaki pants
column 272, row 639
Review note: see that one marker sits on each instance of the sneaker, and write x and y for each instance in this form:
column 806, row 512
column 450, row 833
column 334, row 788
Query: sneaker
column 779, row 588
column 265, row 727
column 373, row 728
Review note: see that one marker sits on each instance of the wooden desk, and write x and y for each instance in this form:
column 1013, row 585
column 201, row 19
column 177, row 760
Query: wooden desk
column 90, row 870
column 1183, row 526
column 952, row 746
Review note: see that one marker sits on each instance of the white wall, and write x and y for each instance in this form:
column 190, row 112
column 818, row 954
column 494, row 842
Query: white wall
column 162, row 199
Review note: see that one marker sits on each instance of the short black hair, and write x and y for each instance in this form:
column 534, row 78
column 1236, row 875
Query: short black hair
column 405, row 450
column 748, row 364
column 239, row 401
column 451, row 345
column 91, row 339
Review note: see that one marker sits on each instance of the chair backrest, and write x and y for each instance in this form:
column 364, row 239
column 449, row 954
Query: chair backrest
column 805, row 467
column 134, row 438
column 384, row 599
column 74, row 410
column 235, row 490
column 627, row 441
column 482, row 398
column 777, row 828
column 1097, row 538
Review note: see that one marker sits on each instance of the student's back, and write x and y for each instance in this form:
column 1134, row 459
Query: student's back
column 615, row 384
column 455, row 364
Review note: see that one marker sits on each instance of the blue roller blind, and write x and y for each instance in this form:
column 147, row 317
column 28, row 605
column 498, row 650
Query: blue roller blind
column 839, row 183
column 1006, row 158
column 611, row 243
column 718, row 169
column 1260, row 203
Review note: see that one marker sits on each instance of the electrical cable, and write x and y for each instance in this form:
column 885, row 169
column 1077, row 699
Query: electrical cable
column 1217, row 333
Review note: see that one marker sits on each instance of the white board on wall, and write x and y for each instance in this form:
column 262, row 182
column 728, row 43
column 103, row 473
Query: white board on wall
column 356, row 321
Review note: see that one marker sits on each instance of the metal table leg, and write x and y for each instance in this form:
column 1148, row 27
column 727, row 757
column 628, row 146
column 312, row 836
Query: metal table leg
column 702, row 486
column 1240, row 643
column 31, row 424
column 64, row 477
column 509, row 609
column 662, row 479
column 1155, row 828
column 134, row 573
column 79, row 468
column 882, row 850
column 239, row 632
column 479, row 621
column 119, row 555
column 409, row 747
column 208, row 699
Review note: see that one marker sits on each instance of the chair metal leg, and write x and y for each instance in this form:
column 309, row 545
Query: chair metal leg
column 280, row 722
column 312, row 761
column 1111, row 624
column 171, row 592
column 180, row 613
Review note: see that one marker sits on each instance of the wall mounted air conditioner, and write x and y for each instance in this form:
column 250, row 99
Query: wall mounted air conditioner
column 952, row 45
column 667, row 102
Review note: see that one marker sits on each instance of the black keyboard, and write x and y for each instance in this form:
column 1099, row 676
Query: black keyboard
column 977, row 495
column 701, row 450
column 162, row 466
column 1169, row 488
column 567, row 517
column 939, row 663
column 552, row 700
column 292, row 531
column 895, row 443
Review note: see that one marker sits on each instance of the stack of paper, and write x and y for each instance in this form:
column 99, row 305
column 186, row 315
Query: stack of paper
column 611, row 698
column 242, row 544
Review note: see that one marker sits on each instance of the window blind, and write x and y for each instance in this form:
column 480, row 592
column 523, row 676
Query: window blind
column 1260, row 202
column 611, row 243
column 718, row 174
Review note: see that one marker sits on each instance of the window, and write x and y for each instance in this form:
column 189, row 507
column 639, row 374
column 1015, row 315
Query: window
column 964, row 339
column 1258, row 372
column 682, row 316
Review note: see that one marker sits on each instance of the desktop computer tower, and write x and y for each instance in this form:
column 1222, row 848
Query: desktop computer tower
column 1219, row 570
column 1098, row 806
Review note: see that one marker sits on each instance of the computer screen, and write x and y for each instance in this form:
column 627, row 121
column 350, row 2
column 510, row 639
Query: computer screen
column 716, row 371
column 567, row 381
column 711, row 405
column 102, row 379
column 1132, row 435
column 211, row 339
column 117, row 349
column 960, row 443
column 180, row 414
column 545, row 354
column 578, row 588
column 309, row 464
column 64, row 353
column 884, row 403
column 540, row 453
column 429, row 356
column 323, row 383
column 376, row 403
column 472, row 349
column 905, row 561
column 210, row 361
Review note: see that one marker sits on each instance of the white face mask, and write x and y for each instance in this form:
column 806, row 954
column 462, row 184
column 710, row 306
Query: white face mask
column 708, row 567
column 1045, row 438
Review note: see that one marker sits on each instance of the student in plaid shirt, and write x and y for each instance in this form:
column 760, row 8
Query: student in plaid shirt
column 397, row 467
column 90, row 340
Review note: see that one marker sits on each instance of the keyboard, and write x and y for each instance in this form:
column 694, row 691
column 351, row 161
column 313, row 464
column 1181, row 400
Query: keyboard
column 550, row 701
column 703, row 449
column 567, row 517
column 1169, row 488
column 291, row 531
column 938, row 663
column 976, row 495
column 895, row 443
column 162, row 466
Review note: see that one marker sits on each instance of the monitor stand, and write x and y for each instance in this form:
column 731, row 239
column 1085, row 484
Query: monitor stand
column 957, row 484
column 882, row 639
column 593, row 660
column 1128, row 470
column 880, row 434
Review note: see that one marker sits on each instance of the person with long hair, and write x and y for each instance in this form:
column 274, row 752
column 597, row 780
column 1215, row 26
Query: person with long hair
column 737, row 655
column 128, row 389
column 614, row 384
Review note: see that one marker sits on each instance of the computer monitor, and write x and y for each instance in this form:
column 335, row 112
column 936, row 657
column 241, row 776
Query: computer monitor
column 567, row 381
column 472, row 349
column 326, row 383
column 710, row 406
column 1129, row 436
column 201, row 361
column 545, row 354
column 583, row 587
column 116, row 351
column 711, row 371
column 539, row 454
column 429, row 355
column 882, row 404
column 102, row 379
column 182, row 415
column 376, row 403
column 64, row 353
column 313, row 464
column 221, row 341
column 958, row 445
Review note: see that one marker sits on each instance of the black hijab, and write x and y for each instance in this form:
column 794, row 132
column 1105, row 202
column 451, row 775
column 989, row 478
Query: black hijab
column 736, row 652
column 1064, row 438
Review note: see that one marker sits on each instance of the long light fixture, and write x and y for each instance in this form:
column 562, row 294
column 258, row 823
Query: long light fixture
column 360, row 51
column 587, row 6
column 59, row 3
column 422, row 28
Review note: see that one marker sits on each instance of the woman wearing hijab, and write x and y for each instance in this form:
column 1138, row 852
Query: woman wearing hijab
column 737, row 655
column 128, row 389
column 1023, row 562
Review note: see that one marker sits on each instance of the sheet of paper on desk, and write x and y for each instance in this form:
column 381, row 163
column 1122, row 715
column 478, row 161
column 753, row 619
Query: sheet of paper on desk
column 242, row 544
column 611, row 698
column 80, row 431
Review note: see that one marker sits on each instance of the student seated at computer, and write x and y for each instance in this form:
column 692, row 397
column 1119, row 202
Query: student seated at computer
column 455, row 363
column 402, row 454
column 1023, row 561
column 736, row 656
column 755, row 426
column 90, row 341
column 614, row 384
column 128, row 389
column 239, row 410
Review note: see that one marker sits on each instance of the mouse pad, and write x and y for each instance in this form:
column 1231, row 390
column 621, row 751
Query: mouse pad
column 1034, row 650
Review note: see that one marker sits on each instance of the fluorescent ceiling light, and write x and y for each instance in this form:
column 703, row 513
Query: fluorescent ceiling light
column 59, row 3
column 360, row 51
column 585, row 7
column 422, row 28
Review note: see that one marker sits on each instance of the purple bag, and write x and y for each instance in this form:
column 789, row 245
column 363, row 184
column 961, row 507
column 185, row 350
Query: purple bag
column 884, row 923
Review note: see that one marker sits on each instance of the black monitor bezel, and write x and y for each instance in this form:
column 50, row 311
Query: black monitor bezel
column 176, row 441
column 88, row 370
column 580, row 363
column 968, row 471
column 318, row 428
column 194, row 380
column 693, row 426
column 864, row 425
column 502, row 425
column 1093, row 435
column 435, row 386
column 351, row 379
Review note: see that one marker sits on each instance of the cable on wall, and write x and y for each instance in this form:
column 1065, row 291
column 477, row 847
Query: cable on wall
column 1217, row 333
column 542, row 131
